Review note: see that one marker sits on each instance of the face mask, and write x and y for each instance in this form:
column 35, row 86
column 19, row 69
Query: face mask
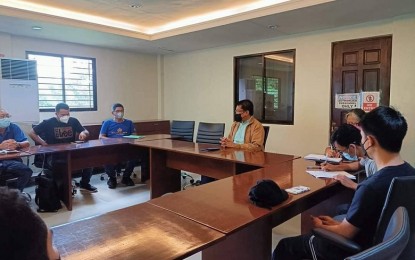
column 4, row 122
column 348, row 157
column 64, row 119
column 238, row 118
column 363, row 147
column 119, row 115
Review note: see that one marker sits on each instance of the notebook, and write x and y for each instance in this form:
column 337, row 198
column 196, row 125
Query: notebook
column 134, row 136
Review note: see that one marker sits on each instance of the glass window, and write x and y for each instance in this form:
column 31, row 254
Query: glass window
column 65, row 79
column 268, row 81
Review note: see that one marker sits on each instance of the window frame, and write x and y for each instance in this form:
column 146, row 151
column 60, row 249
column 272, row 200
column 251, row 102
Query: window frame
column 94, row 79
column 236, row 86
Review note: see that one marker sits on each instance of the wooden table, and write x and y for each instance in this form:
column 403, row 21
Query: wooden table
column 224, row 206
column 92, row 153
column 139, row 232
column 168, row 157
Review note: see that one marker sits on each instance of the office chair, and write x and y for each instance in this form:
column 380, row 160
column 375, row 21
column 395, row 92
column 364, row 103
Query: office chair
column 266, row 131
column 182, row 130
column 394, row 241
column 209, row 133
column 401, row 193
column 10, row 181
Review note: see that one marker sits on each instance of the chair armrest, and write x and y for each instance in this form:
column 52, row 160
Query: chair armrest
column 337, row 240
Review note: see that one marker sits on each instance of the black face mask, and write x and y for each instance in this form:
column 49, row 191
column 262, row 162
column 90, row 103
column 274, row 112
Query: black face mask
column 238, row 118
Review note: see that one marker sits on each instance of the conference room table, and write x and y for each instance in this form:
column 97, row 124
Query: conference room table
column 224, row 206
column 142, row 231
column 92, row 153
column 169, row 157
column 221, row 206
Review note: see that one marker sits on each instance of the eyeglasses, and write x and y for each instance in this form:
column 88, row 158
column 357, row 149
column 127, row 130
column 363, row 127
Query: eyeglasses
column 5, row 116
column 239, row 111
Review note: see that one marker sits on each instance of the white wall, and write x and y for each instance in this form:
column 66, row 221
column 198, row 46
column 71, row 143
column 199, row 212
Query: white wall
column 125, row 77
column 199, row 85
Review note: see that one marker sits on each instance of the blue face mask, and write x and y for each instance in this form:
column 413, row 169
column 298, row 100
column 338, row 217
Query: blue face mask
column 349, row 157
column 4, row 122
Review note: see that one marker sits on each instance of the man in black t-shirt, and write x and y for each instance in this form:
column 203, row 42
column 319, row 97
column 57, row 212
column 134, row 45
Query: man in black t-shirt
column 383, row 130
column 62, row 129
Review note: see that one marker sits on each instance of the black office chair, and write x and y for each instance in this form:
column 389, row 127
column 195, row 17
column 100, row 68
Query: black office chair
column 394, row 241
column 7, row 179
column 266, row 131
column 182, row 130
column 401, row 193
column 210, row 133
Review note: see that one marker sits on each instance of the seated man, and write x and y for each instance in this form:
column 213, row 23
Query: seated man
column 119, row 127
column 24, row 235
column 62, row 129
column 246, row 132
column 346, row 143
column 383, row 131
column 12, row 138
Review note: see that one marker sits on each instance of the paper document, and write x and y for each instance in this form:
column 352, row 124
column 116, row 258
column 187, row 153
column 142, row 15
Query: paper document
column 324, row 174
column 322, row 158
column 134, row 136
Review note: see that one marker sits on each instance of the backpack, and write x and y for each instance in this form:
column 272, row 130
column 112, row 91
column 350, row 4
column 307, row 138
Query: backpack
column 47, row 196
column 266, row 194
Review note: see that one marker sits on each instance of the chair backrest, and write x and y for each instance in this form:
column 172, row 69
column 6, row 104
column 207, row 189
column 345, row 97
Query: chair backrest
column 266, row 130
column 401, row 194
column 210, row 133
column 182, row 130
column 394, row 241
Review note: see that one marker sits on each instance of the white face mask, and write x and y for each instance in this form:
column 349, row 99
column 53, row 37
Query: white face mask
column 64, row 119
column 119, row 115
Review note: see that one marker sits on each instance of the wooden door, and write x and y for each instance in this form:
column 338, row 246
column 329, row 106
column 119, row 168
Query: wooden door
column 360, row 65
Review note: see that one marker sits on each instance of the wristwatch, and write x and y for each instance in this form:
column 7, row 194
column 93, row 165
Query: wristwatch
column 18, row 146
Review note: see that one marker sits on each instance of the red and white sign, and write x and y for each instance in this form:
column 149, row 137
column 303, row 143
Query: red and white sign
column 370, row 100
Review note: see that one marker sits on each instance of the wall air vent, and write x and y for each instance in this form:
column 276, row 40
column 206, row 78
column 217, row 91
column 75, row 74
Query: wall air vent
column 18, row 69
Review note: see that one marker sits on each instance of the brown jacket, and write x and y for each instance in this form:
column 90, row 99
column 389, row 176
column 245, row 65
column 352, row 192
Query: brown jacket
column 254, row 135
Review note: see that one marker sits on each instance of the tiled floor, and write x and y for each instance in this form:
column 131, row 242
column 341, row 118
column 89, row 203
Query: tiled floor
column 105, row 200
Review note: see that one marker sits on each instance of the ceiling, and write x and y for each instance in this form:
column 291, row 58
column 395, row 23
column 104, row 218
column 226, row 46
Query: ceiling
column 176, row 26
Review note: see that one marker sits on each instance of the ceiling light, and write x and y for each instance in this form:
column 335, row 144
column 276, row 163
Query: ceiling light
column 37, row 28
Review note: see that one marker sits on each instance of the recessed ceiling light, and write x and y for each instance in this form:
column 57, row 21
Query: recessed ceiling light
column 37, row 28
column 272, row 27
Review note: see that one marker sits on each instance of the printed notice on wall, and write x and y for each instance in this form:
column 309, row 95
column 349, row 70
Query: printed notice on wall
column 370, row 100
column 347, row 101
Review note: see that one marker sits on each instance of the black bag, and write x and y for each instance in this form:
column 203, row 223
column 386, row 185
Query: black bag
column 266, row 194
column 47, row 196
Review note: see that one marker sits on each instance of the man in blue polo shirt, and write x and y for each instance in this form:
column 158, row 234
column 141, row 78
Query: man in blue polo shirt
column 383, row 130
column 12, row 138
column 117, row 127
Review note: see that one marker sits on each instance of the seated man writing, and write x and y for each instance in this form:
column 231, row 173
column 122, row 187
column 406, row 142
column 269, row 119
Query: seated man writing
column 383, row 131
column 346, row 143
